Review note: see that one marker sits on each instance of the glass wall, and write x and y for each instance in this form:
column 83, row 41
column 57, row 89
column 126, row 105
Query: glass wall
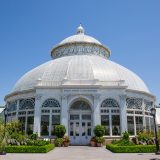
column 147, row 123
column 30, row 123
column 22, row 121
column 105, row 123
column 115, row 125
column 152, row 124
column 139, row 124
column 26, row 114
column 130, row 124
column 55, row 121
column 138, row 115
column 110, row 117
column 50, row 116
column 45, row 125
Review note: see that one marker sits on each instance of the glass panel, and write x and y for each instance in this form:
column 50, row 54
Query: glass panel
column 109, row 103
column 147, row 123
column 89, row 128
column 83, row 128
column 130, row 122
column 71, row 128
column 86, row 117
column 45, row 125
column 55, row 121
column 22, row 121
column 115, row 125
column 105, row 123
column 139, row 124
column 77, row 129
column 51, row 103
column 80, row 105
column 74, row 117
column 30, row 122
column 152, row 124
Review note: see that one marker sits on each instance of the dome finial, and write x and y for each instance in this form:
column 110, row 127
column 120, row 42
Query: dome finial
column 80, row 29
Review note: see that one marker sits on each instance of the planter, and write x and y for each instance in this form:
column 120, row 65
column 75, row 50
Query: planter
column 93, row 143
column 66, row 144
column 99, row 144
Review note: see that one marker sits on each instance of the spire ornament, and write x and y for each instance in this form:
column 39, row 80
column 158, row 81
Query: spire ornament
column 80, row 29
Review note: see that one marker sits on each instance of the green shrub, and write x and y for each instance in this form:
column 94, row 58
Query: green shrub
column 99, row 131
column 58, row 142
column 29, row 149
column 124, row 142
column 145, row 136
column 125, row 135
column 60, row 131
column 131, row 149
column 114, row 141
column 37, row 143
column 33, row 136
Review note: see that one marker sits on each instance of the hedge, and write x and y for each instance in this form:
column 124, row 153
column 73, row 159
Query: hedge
column 29, row 149
column 131, row 149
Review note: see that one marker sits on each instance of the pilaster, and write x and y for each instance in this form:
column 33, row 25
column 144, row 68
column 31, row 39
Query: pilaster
column 96, row 111
column 37, row 114
column 64, row 112
column 123, row 114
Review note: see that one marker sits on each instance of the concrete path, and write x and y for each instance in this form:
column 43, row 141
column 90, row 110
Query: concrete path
column 80, row 153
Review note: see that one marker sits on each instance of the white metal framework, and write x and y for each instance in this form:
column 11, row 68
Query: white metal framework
column 50, row 116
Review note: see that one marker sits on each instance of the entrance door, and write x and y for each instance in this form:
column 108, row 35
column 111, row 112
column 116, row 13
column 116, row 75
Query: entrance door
column 80, row 130
column 80, row 123
column 86, row 129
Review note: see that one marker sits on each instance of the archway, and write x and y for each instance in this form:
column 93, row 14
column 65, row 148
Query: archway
column 80, row 122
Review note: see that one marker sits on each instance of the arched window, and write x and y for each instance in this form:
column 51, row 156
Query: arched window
column 26, row 104
column 109, row 103
column 110, row 117
column 26, row 114
column 50, row 103
column 50, row 116
column 80, row 105
column 12, row 106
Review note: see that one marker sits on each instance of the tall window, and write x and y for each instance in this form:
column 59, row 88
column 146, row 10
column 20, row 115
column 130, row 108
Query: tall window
column 138, row 115
column 50, row 116
column 110, row 117
column 130, row 124
column 12, row 108
column 26, row 114
column 139, row 124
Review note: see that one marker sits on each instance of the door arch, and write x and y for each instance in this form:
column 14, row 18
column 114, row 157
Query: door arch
column 80, row 122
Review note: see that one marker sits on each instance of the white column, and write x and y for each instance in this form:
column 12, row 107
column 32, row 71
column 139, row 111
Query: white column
column 123, row 114
column 64, row 113
column 96, row 111
column 37, row 115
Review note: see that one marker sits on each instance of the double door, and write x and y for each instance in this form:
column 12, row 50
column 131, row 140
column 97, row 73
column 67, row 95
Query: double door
column 80, row 129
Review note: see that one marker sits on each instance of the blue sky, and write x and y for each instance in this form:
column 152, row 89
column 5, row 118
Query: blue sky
column 29, row 29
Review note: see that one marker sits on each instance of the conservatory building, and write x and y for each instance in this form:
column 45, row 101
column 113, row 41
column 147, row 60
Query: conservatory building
column 81, row 88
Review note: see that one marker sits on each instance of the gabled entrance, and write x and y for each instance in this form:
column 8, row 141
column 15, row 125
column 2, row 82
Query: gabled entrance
column 80, row 123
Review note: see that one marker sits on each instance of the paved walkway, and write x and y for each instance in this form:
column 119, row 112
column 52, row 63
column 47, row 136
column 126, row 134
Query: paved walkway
column 80, row 153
